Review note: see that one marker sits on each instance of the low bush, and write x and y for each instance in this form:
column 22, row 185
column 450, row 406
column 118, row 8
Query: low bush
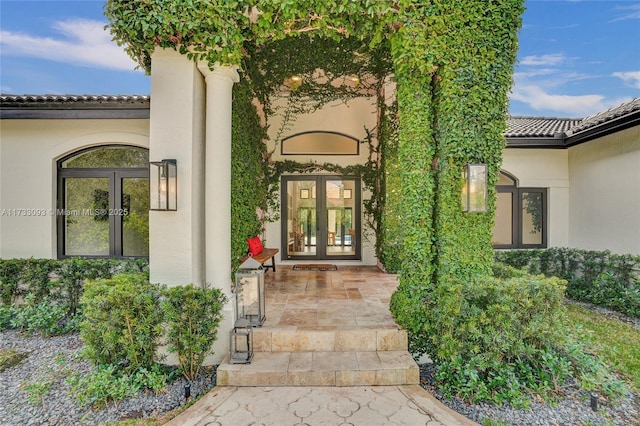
column 108, row 384
column 43, row 317
column 193, row 315
column 42, row 295
column 501, row 339
column 122, row 321
column 58, row 280
column 598, row 277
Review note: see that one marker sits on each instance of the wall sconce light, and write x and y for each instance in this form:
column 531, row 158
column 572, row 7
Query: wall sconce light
column 474, row 190
column 163, row 185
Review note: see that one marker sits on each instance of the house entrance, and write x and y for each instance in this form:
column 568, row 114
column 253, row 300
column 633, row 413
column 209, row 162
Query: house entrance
column 320, row 217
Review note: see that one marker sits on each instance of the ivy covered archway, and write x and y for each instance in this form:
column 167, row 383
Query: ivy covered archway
column 452, row 62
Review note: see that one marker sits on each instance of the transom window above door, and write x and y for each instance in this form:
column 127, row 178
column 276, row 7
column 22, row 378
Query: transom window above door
column 103, row 203
column 320, row 143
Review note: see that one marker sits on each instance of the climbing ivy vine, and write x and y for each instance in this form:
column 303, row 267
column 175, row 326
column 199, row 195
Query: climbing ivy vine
column 452, row 63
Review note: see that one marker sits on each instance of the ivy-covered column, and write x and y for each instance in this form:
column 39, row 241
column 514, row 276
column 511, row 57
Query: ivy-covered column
column 414, row 199
column 453, row 66
column 471, row 105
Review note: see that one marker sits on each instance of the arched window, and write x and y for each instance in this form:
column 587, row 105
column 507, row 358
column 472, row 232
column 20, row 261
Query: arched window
column 103, row 202
column 521, row 215
column 320, row 143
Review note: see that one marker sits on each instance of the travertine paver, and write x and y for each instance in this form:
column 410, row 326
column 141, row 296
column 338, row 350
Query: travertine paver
column 362, row 405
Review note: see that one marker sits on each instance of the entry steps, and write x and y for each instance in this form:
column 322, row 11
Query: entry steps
column 340, row 357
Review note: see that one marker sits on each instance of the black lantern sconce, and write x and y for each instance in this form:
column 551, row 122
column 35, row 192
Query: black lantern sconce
column 475, row 189
column 163, row 185
column 241, row 343
column 250, row 297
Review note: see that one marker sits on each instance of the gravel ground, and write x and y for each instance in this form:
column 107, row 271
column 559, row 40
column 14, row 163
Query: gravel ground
column 574, row 409
column 51, row 360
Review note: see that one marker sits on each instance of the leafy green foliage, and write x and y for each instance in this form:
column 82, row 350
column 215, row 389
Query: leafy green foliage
column 193, row 315
column 123, row 321
column 505, row 339
column 43, row 294
column 599, row 277
column 45, row 317
column 10, row 274
column 248, row 166
column 106, row 383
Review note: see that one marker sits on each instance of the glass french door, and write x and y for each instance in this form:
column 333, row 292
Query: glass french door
column 320, row 217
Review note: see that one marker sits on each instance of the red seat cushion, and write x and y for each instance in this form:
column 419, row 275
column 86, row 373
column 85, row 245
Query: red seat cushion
column 255, row 245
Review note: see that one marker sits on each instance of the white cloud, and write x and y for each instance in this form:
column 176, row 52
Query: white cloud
column 573, row 105
column 552, row 59
column 82, row 42
column 631, row 78
column 634, row 13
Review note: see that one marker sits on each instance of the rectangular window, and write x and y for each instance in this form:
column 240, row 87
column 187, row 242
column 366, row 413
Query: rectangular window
column 86, row 218
column 521, row 218
column 532, row 217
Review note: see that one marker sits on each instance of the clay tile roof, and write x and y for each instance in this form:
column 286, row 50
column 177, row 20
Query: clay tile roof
column 35, row 101
column 522, row 127
column 620, row 111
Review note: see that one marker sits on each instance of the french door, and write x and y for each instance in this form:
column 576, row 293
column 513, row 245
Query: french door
column 320, row 217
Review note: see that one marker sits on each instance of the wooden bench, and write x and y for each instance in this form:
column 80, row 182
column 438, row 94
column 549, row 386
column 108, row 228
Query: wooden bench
column 264, row 256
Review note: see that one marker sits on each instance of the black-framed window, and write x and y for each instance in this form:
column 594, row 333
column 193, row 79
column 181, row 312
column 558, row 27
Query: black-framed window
column 103, row 203
column 521, row 215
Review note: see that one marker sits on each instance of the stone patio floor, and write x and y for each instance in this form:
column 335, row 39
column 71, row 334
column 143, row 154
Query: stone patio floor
column 351, row 298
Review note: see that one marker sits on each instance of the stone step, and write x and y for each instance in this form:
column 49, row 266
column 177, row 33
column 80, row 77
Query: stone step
column 333, row 368
column 338, row 340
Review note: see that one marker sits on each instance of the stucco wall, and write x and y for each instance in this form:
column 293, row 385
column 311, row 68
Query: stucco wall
column 605, row 193
column 544, row 168
column 350, row 119
column 28, row 155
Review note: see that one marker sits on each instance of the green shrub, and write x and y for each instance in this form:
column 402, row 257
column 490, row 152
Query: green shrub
column 7, row 312
column 10, row 274
column 122, row 321
column 495, row 318
column 504, row 339
column 45, row 317
column 108, row 384
column 502, row 270
column 75, row 272
column 598, row 277
column 192, row 315
column 58, row 280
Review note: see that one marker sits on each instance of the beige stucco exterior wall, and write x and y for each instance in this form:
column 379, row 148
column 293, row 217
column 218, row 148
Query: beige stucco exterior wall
column 176, row 126
column 29, row 150
column 544, row 168
column 350, row 119
column 605, row 193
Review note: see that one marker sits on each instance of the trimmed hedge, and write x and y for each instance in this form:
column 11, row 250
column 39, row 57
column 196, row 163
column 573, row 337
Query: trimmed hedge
column 59, row 280
column 42, row 295
column 501, row 338
column 599, row 277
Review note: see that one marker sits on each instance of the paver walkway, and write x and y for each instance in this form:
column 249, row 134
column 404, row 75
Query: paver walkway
column 331, row 406
column 352, row 298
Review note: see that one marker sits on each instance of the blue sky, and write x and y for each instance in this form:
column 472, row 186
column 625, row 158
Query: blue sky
column 576, row 58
